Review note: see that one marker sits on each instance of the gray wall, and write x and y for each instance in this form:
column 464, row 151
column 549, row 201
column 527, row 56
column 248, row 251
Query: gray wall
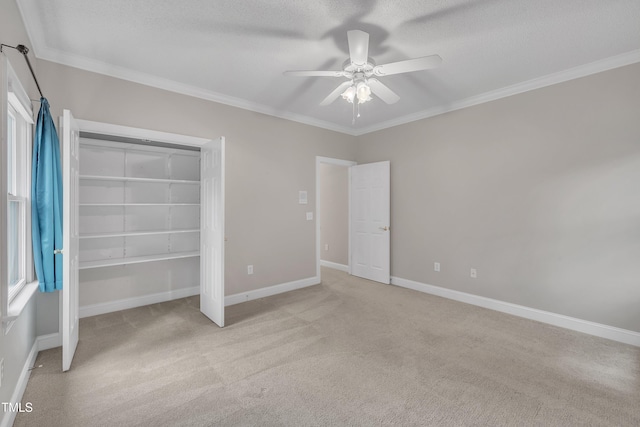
column 334, row 213
column 15, row 346
column 268, row 161
column 539, row 191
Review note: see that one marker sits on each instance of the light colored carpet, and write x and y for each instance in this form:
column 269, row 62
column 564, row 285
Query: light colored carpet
column 346, row 352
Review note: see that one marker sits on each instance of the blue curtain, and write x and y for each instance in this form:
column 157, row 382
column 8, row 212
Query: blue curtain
column 46, row 202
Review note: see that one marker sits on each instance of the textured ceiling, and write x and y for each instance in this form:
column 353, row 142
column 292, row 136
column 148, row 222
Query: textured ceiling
column 235, row 51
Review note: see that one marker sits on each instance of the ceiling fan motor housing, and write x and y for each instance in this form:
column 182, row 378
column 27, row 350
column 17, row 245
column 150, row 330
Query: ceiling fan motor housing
column 351, row 69
column 361, row 72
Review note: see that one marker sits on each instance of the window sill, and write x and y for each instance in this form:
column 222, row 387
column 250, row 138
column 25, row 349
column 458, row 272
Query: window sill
column 19, row 303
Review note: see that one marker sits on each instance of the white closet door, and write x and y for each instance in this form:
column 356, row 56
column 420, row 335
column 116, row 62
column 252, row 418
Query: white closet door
column 370, row 226
column 212, row 231
column 70, row 179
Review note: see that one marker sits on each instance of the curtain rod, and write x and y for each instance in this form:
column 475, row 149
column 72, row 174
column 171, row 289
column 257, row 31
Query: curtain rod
column 24, row 50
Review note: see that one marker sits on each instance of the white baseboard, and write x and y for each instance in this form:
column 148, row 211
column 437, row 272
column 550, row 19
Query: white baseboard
column 9, row 417
column 334, row 265
column 46, row 342
column 270, row 290
column 124, row 304
column 587, row 327
column 43, row 342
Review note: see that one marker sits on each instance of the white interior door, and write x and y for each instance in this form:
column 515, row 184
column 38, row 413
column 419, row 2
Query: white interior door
column 370, row 221
column 70, row 300
column 212, row 231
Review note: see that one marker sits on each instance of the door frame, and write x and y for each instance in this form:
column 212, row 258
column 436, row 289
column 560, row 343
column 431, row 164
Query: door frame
column 143, row 135
column 337, row 162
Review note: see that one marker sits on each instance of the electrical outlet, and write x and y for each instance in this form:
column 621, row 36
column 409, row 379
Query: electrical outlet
column 473, row 273
column 326, row 246
column 436, row 266
column 249, row 269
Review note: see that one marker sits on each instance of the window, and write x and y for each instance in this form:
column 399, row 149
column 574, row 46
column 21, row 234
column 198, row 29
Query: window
column 18, row 141
column 16, row 266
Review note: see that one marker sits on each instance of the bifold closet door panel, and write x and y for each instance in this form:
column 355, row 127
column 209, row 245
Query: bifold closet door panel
column 103, row 248
column 101, row 161
column 186, row 167
column 146, row 192
column 116, row 283
column 185, row 193
column 101, row 219
column 146, row 164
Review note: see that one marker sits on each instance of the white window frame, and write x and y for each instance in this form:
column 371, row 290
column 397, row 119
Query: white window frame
column 15, row 102
column 20, row 188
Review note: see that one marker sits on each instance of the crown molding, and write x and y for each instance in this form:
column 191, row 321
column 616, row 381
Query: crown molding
column 42, row 51
column 35, row 33
column 173, row 86
column 606, row 64
column 145, row 79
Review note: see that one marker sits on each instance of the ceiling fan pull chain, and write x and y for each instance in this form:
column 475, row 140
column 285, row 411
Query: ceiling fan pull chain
column 359, row 70
column 353, row 121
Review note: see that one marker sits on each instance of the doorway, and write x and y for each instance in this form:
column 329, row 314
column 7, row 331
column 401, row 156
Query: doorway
column 333, row 247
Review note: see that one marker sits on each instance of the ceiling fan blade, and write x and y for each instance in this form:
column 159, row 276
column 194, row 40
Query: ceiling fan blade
column 358, row 47
column 382, row 91
column 407, row 66
column 336, row 93
column 314, row 73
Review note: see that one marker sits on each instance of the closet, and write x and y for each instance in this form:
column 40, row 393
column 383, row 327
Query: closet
column 143, row 221
column 139, row 220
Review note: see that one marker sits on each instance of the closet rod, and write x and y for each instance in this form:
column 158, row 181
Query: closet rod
column 24, row 50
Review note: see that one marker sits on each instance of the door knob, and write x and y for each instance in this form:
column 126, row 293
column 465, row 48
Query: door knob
column 384, row 228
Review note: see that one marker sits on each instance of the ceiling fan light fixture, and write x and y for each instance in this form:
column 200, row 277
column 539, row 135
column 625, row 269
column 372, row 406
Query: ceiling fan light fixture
column 363, row 92
column 361, row 71
column 349, row 94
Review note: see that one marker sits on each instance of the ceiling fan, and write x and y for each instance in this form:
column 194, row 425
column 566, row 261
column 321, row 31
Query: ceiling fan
column 361, row 72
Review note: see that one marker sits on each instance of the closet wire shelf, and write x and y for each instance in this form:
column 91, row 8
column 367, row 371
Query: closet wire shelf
column 153, row 162
column 137, row 260
column 137, row 179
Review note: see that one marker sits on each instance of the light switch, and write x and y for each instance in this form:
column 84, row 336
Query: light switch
column 309, row 216
column 302, row 197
